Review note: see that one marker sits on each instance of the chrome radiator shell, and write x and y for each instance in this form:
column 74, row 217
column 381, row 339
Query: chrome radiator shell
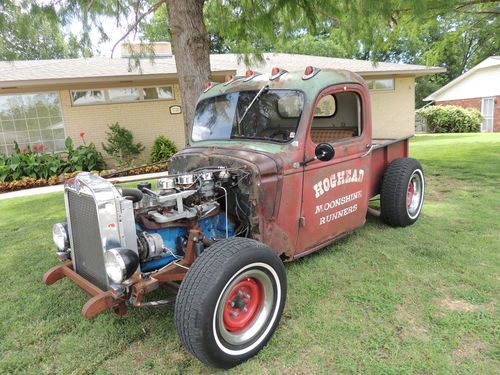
column 99, row 219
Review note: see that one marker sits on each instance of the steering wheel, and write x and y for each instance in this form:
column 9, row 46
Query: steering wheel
column 284, row 133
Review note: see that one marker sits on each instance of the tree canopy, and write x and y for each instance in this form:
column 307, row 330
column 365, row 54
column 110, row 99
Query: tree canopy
column 456, row 34
column 453, row 34
column 31, row 31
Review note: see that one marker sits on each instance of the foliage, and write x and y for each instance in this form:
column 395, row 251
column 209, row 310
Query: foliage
column 27, row 183
column 36, row 164
column 456, row 34
column 84, row 157
column 120, row 145
column 163, row 149
column 451, row 119
column 31, row 31
column 453, row 34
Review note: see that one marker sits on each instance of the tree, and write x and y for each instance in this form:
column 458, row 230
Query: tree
column 33, row 32
column 191, row 44
column 365, row 28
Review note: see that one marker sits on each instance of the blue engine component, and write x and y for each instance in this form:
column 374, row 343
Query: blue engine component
column 213, row 227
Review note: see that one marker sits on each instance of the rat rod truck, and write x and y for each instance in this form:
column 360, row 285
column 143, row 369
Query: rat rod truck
column 279, row 165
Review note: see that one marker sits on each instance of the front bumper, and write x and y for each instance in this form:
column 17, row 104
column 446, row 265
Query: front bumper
column 138, row 286
column 101, row 300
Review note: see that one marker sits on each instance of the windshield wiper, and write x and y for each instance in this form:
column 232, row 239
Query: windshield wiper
column 263, row 89
column 235, row 136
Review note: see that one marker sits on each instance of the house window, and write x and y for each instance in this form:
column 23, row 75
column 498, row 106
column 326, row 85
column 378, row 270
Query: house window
column 158, row 93
column 380, row 84
column 31, row 120
column 84, row 97
column 121, row 95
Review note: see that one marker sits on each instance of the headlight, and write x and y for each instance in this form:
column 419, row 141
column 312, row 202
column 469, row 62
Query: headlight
column 120, row 264
column 60, row 236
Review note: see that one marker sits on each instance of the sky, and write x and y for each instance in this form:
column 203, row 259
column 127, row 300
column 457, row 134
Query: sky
column 114, row 32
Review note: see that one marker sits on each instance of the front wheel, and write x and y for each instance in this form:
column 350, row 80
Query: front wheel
column 402, row 192
column 230, row 302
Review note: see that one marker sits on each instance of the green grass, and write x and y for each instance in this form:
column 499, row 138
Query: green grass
column 418, row 300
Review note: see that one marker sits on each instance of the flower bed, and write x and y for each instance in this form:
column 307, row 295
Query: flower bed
column 32, row 167
column 30, row 182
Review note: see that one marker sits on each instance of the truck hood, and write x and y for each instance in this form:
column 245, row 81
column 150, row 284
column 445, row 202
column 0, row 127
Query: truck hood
column 266, row 168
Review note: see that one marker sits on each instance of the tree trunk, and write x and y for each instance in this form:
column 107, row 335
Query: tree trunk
column 191, row 48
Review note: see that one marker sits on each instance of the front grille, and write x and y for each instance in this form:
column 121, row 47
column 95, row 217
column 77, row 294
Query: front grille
column 87, row 246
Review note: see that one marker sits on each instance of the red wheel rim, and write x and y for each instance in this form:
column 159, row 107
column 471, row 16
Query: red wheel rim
column 411, row 191
column 242, row 305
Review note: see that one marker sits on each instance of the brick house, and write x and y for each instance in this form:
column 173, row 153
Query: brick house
column 478, row 88
column 45, row 101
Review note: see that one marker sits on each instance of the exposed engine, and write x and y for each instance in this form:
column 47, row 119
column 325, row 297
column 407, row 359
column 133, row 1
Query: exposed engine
column 209, row 196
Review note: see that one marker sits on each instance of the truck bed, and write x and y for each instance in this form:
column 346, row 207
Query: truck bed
column 384, row 151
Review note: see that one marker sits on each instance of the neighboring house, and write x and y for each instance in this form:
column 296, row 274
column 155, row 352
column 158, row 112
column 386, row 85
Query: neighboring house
column 45, row 101
column 478, row 88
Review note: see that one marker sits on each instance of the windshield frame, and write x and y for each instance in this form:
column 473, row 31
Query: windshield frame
column 249, row 139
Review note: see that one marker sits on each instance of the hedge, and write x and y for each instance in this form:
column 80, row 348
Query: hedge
column 451, row 119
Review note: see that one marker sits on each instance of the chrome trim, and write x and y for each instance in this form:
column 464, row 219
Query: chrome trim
column 115, row 214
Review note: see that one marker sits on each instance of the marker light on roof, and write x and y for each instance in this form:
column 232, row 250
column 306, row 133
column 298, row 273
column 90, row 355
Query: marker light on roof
column 250, row 74
column 310, row 72
column 276, row 72
column 228, row 78
column 208, row 85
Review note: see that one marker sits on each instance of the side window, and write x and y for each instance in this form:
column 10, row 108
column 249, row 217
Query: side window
column 337, row 117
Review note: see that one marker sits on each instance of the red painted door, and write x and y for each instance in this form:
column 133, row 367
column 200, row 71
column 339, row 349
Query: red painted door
column 335, row 192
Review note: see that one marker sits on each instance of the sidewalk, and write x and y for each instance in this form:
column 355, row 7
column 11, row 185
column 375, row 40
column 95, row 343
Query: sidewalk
column 60, row 188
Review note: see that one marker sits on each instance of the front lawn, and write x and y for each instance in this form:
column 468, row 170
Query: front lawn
column 418, row 300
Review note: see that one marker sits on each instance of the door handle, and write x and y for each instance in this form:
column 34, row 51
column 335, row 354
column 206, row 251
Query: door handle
column 369, row 150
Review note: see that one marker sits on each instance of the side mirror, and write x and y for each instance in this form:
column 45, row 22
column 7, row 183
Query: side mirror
column 324, row 152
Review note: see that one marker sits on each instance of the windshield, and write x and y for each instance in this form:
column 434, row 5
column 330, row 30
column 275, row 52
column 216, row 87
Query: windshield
column 274, row 115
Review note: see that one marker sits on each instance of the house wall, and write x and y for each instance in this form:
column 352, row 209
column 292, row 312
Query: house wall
column 393, row 111
column 146, row 120
column 479, row 84
column 476, row 103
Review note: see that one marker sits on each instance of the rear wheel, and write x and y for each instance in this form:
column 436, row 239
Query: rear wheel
column 402, row 192
column 230, row 301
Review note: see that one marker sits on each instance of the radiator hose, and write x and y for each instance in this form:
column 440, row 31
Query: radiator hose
column 135, row 195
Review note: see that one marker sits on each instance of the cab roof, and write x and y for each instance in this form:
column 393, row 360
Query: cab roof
column 311, row 86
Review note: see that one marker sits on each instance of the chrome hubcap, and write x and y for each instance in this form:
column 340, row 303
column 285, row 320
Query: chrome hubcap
column 414, row 194
column 246, row 305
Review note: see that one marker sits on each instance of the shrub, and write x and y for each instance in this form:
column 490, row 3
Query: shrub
column 451, row 119
column 35, row 164
column 28, row 162
column 163, row 149
column 120, row 145
column 84, row 157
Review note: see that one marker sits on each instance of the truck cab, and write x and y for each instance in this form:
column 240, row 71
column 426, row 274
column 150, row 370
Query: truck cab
column 300, row 203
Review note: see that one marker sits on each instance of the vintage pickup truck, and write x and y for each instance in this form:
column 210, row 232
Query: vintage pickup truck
column 279, row 165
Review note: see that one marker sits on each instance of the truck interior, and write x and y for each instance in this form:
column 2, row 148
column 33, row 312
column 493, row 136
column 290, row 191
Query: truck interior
column 337, row 117
column 275, row 116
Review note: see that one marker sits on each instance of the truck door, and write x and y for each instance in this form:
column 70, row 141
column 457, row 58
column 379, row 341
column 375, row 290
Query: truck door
column 335, row 192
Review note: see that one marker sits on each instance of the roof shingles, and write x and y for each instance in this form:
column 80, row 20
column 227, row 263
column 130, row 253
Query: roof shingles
column 68, row 70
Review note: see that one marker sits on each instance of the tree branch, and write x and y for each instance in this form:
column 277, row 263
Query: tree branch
column 138, row 20
column 474, row 2
column 478, row 12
